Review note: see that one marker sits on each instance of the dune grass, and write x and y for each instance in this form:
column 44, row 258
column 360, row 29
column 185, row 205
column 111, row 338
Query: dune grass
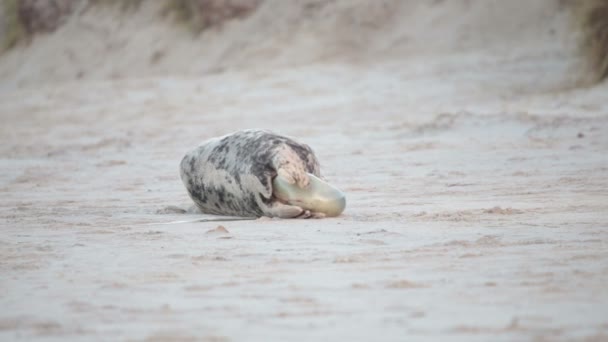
column 194, row 15
column 199, row 15
column 14, row 30
column 183, row 12
column 124, row 5
column 592, row 17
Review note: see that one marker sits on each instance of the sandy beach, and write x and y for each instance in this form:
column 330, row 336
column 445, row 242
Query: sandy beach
column 475, row 168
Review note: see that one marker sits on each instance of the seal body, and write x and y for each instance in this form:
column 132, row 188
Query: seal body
column 233, row 174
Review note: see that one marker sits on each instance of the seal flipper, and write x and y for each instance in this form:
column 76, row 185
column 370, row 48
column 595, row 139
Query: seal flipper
column 281, row 210
column 269, row 204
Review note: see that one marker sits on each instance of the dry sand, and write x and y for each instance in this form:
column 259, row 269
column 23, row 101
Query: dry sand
column 476, row 176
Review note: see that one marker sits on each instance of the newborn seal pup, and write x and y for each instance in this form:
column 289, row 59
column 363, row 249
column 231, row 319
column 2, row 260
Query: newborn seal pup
column 232, row 175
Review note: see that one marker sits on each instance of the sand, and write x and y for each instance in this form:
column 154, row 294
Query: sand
column 475, row 170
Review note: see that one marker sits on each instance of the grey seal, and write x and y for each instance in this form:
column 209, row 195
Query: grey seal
column 233, row 174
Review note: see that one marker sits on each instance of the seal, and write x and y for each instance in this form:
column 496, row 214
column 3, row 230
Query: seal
column 233, row 174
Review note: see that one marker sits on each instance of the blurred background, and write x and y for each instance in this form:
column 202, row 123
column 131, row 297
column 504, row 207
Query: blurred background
column 468, row 135
column 61, row 40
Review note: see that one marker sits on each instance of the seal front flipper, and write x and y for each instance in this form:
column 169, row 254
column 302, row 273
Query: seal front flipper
column 281, row 210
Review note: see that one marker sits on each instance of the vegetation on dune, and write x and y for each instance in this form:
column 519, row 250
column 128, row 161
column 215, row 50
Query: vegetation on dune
column 183, row 12
column 124, row 5
column 592, row 17
column 199, row 15
column 13, row 30
column 24, row 18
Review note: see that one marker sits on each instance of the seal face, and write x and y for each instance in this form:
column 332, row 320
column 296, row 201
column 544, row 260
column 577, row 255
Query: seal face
column 232, row 175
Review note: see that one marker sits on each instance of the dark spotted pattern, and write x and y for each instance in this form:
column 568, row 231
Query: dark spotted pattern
column 232, row 175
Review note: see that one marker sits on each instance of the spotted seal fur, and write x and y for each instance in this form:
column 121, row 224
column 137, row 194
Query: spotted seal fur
column 232, row 175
